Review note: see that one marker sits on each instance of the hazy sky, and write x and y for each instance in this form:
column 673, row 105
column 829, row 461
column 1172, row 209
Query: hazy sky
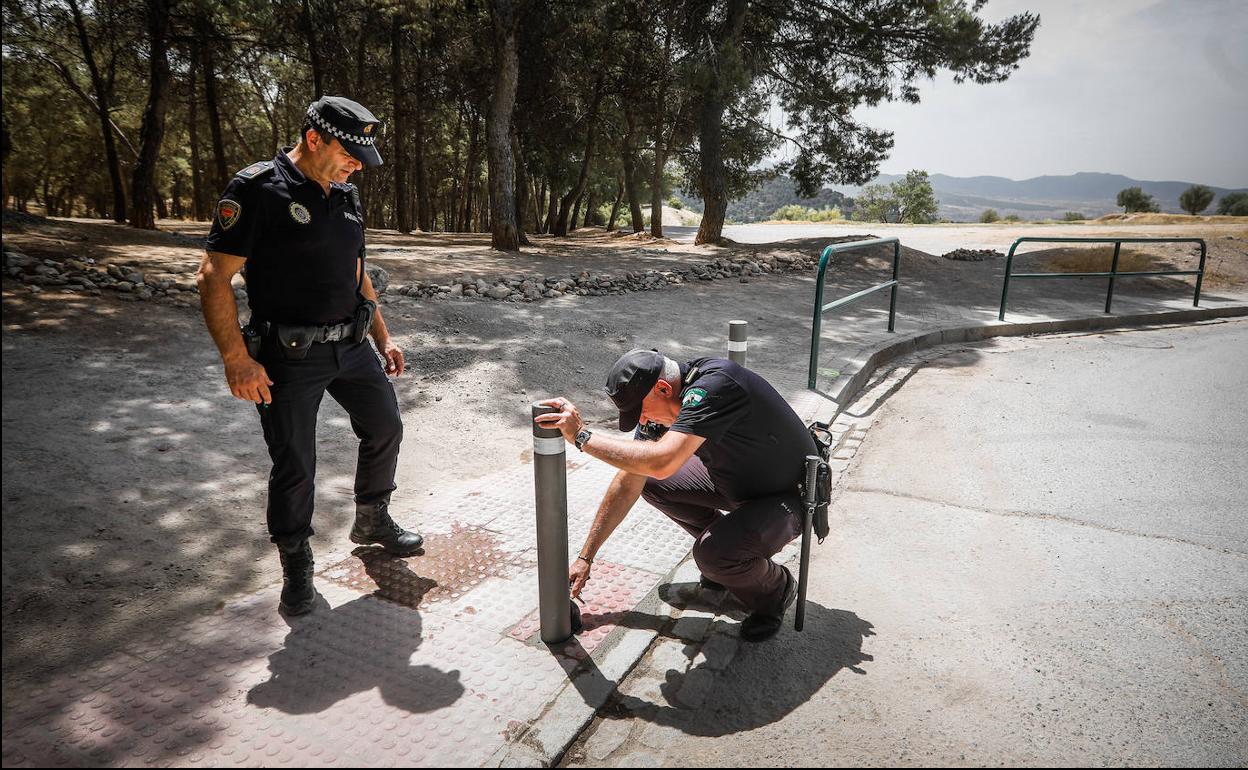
column 1153, row 89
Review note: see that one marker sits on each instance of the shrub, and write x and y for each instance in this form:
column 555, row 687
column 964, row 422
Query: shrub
column 1234, row 204
column 1195, row 199
column 1073, row 216
column 1134, row 199
column 989, row 216
column 1012, row 218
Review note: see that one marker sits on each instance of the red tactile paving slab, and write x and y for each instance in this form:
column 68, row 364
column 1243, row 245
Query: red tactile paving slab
column 451, row 566
column 611, row 594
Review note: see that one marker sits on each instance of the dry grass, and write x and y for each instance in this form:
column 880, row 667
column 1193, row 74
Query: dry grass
column 1168, row 219
column 1100, row 258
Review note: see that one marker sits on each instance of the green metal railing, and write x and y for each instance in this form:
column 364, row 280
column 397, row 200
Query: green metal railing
column 1113, row 273
column 816, row 324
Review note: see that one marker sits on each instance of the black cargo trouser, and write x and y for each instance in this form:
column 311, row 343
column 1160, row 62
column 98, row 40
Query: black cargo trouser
column 351, row 372
column 733, row 548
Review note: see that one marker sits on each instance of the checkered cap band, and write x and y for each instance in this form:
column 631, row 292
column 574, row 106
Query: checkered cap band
column 338, row 132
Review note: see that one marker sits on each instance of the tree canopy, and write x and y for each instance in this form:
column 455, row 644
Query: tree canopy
column 509, row 116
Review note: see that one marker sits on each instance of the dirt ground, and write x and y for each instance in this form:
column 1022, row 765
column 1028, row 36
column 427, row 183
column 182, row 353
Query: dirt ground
column 134, row 484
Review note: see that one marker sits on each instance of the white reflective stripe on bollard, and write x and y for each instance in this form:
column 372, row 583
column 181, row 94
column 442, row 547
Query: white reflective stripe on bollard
column 548, row 446
column 737, row 347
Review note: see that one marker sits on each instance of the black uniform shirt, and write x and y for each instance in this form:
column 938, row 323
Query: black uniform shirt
column 302, row 246
column 756, row 445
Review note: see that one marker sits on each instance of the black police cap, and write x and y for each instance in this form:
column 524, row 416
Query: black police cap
column 630, row 381
column 350, row 123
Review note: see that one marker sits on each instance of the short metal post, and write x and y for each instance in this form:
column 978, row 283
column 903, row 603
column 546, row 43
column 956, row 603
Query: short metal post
column 738, row 333
column 1200, row 276
column 892, row 302
column 550, row 485
column 1113, row 275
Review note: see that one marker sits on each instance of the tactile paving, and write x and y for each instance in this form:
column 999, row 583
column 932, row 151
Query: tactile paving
column 611, row 595
column 452, row 565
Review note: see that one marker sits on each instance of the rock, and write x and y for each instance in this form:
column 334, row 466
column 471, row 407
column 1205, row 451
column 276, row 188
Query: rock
column 46, row 270
column 457, row 290
column 973, row 255
column 17, row 259
column 143, row 292
column 500, row 292
column 133, row 276
column 380, row 278
column 124, row 286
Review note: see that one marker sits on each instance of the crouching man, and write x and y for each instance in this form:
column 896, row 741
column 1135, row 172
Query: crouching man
column 721, row 454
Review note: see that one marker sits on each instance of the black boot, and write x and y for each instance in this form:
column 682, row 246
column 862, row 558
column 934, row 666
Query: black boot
column 373, row 526
column 298, row 593
column 764, row 625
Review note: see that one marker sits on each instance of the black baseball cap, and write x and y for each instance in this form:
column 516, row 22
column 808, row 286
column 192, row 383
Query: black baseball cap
column 350, row 123
column 630, row 381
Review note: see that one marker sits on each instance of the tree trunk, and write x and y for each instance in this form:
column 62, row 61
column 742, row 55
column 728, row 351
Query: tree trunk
column 142, row 185
column 102, row 111
column 398, row 88
column 615, row 207
column 470, row 173
column 504, row 229
column 209, row 63
column 198, row 210
column 660, row 148
column 713, row 176
column 424, row 205
column 522, row 186
column 628, row 159
column 314, row 53
column 590, row 204
column 539, row 200
column 552, row 208
column 565, row 205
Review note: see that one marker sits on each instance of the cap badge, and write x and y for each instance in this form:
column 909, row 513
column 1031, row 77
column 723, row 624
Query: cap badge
column 368, row 129
column 300, row 213
column 228, row 212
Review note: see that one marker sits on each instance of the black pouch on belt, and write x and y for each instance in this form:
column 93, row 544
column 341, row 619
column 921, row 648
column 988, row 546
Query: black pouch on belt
column 295, row 340
column 253, row 340
column 823, row 492
column 364, row 319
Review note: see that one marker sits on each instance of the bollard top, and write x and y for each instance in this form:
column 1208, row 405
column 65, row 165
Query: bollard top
column 539, row 431
column 737, row 330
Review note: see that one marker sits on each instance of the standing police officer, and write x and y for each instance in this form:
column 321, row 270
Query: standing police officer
column 295, row 228
column 715, row 437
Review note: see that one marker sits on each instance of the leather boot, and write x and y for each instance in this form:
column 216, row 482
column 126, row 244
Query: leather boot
column 298, row 593
column 373, row 526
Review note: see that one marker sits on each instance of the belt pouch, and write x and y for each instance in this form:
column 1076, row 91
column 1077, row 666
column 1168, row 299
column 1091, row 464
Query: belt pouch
column 296, row 340
column 253, row 340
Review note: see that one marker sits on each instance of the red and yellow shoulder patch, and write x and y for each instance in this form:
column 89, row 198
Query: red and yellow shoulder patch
column 228, row 212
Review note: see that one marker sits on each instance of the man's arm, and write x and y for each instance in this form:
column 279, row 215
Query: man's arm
column 656, row 459
column 381, row 334
column 621, row 496
column 246, row 377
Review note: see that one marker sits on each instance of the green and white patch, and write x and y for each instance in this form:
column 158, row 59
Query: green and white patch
column 693, row 397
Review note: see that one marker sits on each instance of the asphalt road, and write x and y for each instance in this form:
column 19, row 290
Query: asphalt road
column 1040, row 558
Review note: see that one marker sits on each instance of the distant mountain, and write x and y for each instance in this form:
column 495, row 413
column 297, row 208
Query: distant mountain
column 963, row 199
column 1093, row 194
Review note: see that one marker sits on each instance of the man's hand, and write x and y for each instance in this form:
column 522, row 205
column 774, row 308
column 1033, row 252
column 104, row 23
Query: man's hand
column 578, row 576
column 567, row 419
column 392, row 355
column 248, row 380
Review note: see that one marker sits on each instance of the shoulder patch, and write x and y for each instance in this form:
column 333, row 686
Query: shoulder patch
column 693, row 397
column 228, row 212
column 255, row 169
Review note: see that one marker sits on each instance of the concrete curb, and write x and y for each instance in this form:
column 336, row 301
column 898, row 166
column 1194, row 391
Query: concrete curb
column 846, row 388
column 551, row 735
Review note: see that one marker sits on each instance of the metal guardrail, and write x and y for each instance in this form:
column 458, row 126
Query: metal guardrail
column 1113, row 273
column 816, row 324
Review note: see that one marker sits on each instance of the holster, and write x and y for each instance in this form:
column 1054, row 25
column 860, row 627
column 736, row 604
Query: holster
column 364, row 314
column 821, row 433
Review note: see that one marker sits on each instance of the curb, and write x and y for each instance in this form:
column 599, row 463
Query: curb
column 846, row 388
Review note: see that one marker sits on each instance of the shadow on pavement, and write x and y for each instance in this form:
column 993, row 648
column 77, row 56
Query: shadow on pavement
column 734, row 688
column 366, row 643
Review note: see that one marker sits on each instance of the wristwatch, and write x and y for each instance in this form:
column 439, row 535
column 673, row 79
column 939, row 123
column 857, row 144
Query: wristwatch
column 582, row 437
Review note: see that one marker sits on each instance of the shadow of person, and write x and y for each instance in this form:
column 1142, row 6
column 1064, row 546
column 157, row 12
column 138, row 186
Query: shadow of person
column 366, row 643
column 734, row 688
